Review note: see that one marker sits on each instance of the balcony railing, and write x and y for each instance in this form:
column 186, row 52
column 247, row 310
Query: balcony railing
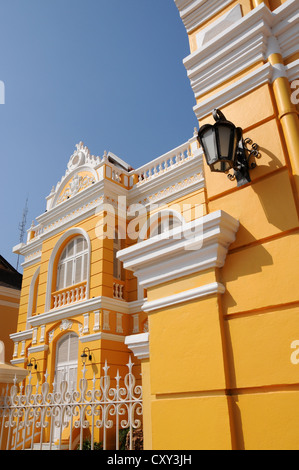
column 164, row 163
column 69, row 295
column 118, row 289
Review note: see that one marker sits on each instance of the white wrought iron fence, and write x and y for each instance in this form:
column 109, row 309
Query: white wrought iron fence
column 66, row 418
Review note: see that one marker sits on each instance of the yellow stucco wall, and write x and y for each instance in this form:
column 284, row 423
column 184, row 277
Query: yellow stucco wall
column 224, row 369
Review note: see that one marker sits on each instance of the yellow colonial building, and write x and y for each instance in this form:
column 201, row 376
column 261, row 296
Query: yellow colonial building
column 192, row 274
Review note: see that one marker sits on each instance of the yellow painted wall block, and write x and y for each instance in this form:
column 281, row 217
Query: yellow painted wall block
column 147, row 417
column 181, row 285
column 262, row 348
column 253, row 108
column 191, row 423
column 186, row 335
column 262, row 276
column 261, row 208
column 268, row 421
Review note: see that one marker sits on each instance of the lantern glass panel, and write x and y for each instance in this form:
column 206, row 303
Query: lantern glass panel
column 210, row 145
column 225, row 135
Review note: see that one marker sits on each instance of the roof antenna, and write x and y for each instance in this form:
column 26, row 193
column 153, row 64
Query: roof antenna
column 22, row 227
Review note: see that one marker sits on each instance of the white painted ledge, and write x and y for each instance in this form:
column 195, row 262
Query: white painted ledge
column 186, row 296
column 191, row 248
column 139, row 345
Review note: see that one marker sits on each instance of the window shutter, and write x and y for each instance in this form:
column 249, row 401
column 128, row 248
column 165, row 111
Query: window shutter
column 73, row 348
column 78, row 270
column 62, row 351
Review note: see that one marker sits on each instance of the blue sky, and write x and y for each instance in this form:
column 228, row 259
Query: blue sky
column 105, row 72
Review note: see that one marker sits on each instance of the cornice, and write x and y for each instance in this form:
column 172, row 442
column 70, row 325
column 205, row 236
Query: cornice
column 234, row 91
column 66, row 207
column 80, row 308
column 36, row 349
column 208, row 72
column 194, row 13
column 194, row 247
column 102, row 336
column 139, row 345
column 21, row 335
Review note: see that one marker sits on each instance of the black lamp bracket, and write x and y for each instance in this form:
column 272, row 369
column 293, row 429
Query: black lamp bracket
column 84, row 356
column 247, row 152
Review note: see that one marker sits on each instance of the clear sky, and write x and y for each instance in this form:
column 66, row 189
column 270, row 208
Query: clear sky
column 105, row 72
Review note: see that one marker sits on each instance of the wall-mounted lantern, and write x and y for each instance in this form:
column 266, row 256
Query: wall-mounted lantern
column 85, row 356
column 30, row 364
column 225, row 149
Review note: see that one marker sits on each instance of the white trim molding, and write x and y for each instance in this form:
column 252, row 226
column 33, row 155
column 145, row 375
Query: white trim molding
column 102, row 336
column 234, row 91
column 36, row 349
column 185, row 296
column 292, row 70
column 196, row 12
column 21, row 335
column 139, row 345
column 80, row 308
column 192, row 248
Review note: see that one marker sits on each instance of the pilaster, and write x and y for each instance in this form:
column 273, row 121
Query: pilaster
column 179, row 269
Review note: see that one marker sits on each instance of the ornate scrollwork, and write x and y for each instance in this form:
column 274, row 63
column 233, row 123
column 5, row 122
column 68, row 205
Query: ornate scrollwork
column 28, row 415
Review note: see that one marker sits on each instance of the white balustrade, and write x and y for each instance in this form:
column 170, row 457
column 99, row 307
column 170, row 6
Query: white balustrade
column 118, row 291
column 164, row 163
column 69, row 296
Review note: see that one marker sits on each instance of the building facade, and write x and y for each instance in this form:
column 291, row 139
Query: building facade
column 195, row 276
column 10, row 292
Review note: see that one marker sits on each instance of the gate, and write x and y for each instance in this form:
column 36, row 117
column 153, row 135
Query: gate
column 106, row 414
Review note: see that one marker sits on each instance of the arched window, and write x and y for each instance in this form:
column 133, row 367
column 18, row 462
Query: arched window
column 69, row 270
column 72, row 265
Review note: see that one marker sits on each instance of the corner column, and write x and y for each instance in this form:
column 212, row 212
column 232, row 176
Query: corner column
column 185, row 378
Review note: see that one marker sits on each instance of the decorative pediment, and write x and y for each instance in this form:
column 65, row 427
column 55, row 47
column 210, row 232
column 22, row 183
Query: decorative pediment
column 80, row 181
column 82, row 171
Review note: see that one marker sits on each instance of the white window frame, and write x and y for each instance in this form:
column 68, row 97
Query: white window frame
column 73, row 260
column 31, row 296
column 69, row 233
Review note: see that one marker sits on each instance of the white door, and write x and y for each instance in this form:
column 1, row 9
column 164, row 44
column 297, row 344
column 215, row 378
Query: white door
column 66, row 365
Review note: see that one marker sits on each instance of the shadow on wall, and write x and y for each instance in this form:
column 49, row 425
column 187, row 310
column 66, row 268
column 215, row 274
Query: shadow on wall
column 276, row 197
